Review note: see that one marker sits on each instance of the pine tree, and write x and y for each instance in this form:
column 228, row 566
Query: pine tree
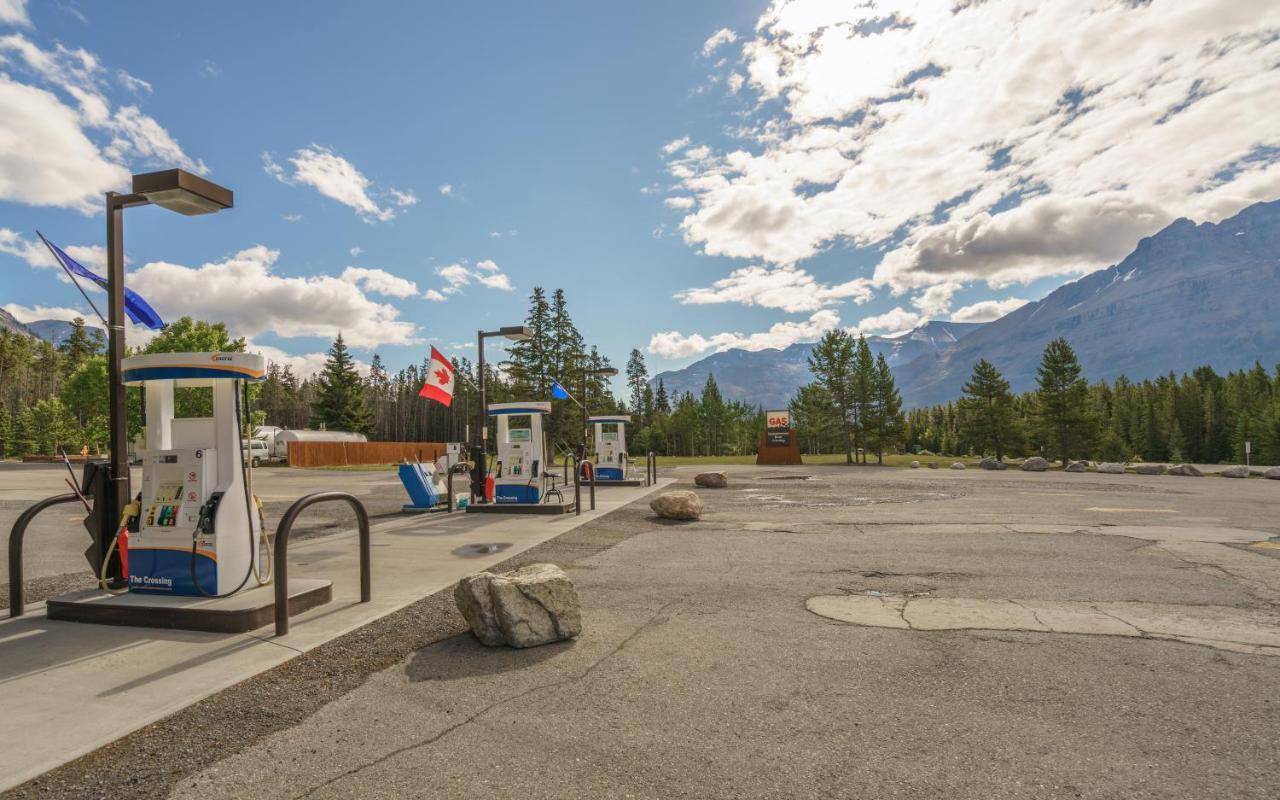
column 529, row 364
column 712, row 415
column 832, row 362
column 661, row 405
column 1062, row 399
column 986, row 409
column 864, row 396
column 6, row 433
column 888, row 408
column 638, row 380
column 77, row 346
column 340, row 393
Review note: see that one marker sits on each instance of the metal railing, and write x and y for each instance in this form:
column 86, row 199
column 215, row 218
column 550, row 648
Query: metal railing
column 282, row 551
column 17, row 591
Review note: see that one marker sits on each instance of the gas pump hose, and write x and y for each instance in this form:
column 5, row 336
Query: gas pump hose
column 131, row 510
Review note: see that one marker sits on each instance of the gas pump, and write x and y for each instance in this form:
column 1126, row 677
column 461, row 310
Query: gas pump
column 611, row 447
column 518, row 470
column 198, row 528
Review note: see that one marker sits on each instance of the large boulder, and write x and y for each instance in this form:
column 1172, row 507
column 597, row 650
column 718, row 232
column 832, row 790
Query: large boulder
column 1111, row 468
column 530, row 606
column 1149, row 469
column 1075, row 466
column 933, row 465
column 1035, row 464
column 677, row 505
column 992, row 463
column 958, row 465
column 1186, row 470
column 915, row 465
column 711, row 480
column 1238, row 471
column 1273, row 473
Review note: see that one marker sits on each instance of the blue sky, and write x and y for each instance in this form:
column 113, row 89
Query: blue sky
column 696, row 175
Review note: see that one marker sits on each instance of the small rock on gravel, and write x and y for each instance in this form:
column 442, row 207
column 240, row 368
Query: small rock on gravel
column 1111, row 468
column 1149, row 469
column 915, row 465
column 1273, row 473
column 1187, row 470
column 1075, row 466
column 1238, row 471
column 677, row 505
column 958, row 465
column 992, row 463
column 1035, row 464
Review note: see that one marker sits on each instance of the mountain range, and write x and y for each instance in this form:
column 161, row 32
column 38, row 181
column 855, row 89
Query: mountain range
column 1189, row 295
column 53, row 331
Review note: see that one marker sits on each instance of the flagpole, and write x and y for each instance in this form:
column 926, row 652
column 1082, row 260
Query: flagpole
column 72, row 276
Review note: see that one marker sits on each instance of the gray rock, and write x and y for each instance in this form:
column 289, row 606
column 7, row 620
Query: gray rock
column 1111, row 468
column 991, row 463
column 1238, row 471
column 1186, row 470
column 1149, row 469
column 533, row 605
column 1076, row 466
column 915, row 465
column 958, row 465
column 1035, row 464
column 677, row 505
column 1273, row 473
column 711, row 480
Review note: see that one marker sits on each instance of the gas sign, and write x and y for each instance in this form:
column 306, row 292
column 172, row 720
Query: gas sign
column 778, row 420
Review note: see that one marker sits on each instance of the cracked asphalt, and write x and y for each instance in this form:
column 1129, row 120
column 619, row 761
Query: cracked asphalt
column 702, row 673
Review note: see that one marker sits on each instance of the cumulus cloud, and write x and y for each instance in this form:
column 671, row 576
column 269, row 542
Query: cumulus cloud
column 717, row 40
column 678, row 202
column 987, row 310
column 456, row 276
column 14, row 12
column 675, row 145
column 446, row 189
column 25, row 314
column 245, row 292
column 36, row 254
column 380, row 281
column 785, row 288
column 65, row 143
column 434, row 296
column 338, row 179
column 996, row 142
column 936, row 300
column 895, row 320
column 673, row 344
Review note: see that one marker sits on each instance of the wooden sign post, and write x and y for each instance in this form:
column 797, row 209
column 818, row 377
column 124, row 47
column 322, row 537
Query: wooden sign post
column 778, row 442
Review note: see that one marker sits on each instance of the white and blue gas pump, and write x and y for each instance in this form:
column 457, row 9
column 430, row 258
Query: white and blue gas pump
column 519, row 469
column 610, row 446
column 198, row 529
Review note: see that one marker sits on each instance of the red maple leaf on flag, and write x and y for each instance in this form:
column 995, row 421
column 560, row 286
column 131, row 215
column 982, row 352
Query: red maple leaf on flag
column 442, row 376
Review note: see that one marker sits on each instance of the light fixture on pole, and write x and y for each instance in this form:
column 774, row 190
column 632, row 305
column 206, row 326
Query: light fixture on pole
column 176, row 190
column 516, row 333
column 607, row 372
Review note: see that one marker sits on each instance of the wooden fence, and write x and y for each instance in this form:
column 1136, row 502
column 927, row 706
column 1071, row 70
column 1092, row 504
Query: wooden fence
column 346, row 454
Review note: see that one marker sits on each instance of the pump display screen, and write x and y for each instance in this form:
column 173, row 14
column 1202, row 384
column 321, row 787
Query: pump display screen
column 520, row 435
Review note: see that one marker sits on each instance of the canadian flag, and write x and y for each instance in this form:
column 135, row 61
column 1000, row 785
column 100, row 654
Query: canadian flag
column 440, row 379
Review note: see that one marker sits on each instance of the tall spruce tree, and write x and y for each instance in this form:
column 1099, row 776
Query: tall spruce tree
column 833, row 364
column 340, row 393
column 888, row 409
column 864, row 396
column 637, row 380
column 1062, row 402
column 986, row 410
column 661, row 403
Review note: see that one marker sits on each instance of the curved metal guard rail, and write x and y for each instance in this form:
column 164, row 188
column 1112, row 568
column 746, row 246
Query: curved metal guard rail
column 282, row 551
column 17, row 591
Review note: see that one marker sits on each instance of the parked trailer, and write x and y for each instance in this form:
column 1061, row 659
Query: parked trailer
column 283, row 438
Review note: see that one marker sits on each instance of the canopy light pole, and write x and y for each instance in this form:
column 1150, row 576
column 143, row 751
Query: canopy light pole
column 176, row 190
column 607, row 372
column 516, row 333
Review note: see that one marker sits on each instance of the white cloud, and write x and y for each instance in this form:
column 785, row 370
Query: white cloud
column 210, row 69
column 987, row 310
column 62, row 143
column 735, row 82
column 895, row 320
column 244, row 292
column 25, row 314
column 355, row 252
column 435, row 296
column 936, row 300
column 36, row 254
column 304, row 365
column 678, row 202
column 784, row 288
column 291, row 218
column 486, row 273
column 717, row 40
column 134, row 84
column 446, row 188
column 338, row 179
column 14, row 12
column 675, row 145
column 1079, row 143
column 673, row 344
column 380, row 282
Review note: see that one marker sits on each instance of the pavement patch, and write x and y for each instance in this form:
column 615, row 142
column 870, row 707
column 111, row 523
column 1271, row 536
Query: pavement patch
column 1223, row 628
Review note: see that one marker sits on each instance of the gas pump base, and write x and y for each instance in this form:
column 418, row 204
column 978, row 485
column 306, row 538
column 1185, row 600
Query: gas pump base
column 520, row 508
column 242, row 612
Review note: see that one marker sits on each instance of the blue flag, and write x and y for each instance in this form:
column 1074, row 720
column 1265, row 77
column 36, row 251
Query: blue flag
column 138, row 310
column 558, row 392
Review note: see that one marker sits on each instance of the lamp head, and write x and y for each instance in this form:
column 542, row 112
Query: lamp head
column 516, row 333
column 180, row 191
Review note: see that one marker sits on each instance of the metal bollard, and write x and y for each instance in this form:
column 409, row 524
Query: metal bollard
column 281, row 555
